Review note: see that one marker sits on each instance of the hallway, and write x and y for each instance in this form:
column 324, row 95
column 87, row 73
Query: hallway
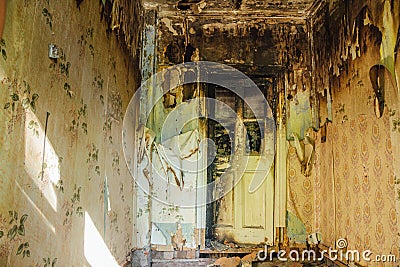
column 199, row 133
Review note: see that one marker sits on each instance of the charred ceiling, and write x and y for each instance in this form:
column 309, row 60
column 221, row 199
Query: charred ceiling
column 254, row 43
column 280, row 8
column 254, row 36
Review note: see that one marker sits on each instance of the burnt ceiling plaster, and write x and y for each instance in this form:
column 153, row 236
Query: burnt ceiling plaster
column 278, row 8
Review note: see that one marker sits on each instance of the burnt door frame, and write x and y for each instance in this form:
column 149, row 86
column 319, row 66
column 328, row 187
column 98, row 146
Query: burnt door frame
column 210, row 92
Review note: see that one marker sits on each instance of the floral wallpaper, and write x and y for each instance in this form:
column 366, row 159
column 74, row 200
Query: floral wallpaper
column 362, row 179
column 351, row 192
column 63, row 180
column 356, row 156
column 301, row 193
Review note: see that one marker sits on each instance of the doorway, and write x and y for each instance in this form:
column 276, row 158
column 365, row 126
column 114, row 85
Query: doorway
column 244, row 215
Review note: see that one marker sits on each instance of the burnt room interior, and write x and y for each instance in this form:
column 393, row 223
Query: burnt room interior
column 199, row 132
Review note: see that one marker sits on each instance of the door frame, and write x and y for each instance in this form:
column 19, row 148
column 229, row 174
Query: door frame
column 212, row 208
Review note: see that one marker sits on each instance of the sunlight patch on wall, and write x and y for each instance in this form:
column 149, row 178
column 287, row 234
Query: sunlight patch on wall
column 44, row 177
column 95, row 250
column 46, row 221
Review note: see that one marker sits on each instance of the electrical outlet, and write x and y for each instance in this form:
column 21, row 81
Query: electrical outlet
column 53, row 51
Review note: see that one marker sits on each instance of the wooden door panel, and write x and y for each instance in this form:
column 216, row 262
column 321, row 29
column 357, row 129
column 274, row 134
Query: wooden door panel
column 253, row 206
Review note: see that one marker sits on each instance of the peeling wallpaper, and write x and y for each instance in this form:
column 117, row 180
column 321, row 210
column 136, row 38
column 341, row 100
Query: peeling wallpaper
column 301, row 206
column 257, row 47
column 352, row 30
column 352, row 191
column 80, row 192
column 356, row 161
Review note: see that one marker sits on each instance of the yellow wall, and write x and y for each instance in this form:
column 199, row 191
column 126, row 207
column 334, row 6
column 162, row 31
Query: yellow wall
column 86, row 105
column 355, row 169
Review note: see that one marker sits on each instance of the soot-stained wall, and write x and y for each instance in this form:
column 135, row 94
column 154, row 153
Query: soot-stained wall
column 261, row 46
column 356, row 167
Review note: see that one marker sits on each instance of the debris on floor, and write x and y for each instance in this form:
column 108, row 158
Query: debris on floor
column 228, row 262
column 250, row 260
